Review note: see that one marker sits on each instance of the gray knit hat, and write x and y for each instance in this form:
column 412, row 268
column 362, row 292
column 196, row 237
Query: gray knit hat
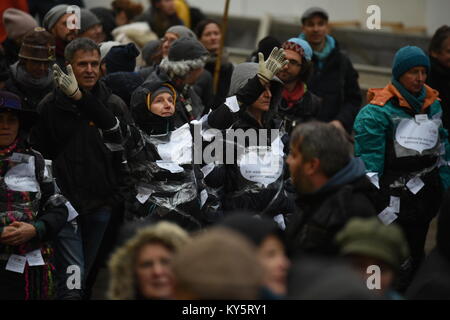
column 182, row 32
column 88, row 19
column 185, row 54
column 52, row 17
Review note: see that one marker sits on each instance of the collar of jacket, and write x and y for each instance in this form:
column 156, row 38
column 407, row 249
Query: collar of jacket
column 380, row 96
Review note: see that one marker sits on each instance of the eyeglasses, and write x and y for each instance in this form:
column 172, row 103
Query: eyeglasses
column 294, row 63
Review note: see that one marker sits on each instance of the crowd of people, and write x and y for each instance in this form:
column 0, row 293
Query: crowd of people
column 129, row 140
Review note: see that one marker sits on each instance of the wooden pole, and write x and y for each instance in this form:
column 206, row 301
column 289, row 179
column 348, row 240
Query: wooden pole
column 222, row 42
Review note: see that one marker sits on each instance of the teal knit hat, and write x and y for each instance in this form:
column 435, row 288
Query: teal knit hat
column 409, row 57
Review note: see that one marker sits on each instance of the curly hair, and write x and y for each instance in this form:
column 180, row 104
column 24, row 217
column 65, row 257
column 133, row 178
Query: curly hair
column 122, row 284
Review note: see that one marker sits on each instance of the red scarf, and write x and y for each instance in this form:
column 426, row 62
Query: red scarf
column 292, row 97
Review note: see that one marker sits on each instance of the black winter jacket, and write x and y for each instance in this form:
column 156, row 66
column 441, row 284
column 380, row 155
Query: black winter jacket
column 337, row 84
column 323, row 214
column 439, row 79
column 89, row 174
column 306, row 109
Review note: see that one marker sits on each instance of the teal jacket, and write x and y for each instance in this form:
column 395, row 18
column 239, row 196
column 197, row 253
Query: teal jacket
column 374, row 123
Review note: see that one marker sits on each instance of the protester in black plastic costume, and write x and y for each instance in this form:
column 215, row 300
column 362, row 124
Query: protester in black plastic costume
column 253, row 177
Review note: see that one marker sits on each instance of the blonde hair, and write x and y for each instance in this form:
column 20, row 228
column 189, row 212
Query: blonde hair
column 122, row 284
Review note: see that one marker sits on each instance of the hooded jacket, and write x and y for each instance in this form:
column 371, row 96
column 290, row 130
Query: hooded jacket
column 324, row 213
column 175, row 196
column 185, row 96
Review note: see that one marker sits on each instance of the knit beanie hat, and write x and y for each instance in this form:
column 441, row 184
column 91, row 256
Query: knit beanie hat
column 300, row 46
column 369, row 237
column 88, row 20
column 53, row 15
column 17, row 23
column 150, row 49
column 185, row 54
column 38, row 45
column 121, row 58
column 409, row 57
column 182, row 32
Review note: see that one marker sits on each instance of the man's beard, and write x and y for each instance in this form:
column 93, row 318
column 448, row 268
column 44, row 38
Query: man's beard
column 289, row 79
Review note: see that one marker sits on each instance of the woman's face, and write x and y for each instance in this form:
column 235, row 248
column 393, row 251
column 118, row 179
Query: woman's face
column 154, row 276
column 275, row 264
column 263, row 102
column 163, row 105
column 9, row 128
column 167, row 41
column 211, row 37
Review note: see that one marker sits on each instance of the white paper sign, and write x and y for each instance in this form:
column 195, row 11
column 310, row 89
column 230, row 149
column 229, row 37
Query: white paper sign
column 179, row 148
column 373, row 177
column 207, row 169
column 72, row 212
column 279, row 219
column 168, row 165
column 203, row 197
column 16, row 263
column 22, row 177
column 20, row 157
column 278, row 146
column 34, row 258
column 232, row 103
column 142, row 198
column 415, row 184
column 417, row 136
column 262, row 166
column 395, row 204
column 387, row 216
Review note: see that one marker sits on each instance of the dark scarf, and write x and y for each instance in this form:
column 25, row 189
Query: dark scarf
column 24, row 78
column 60, row 46
column 416, row 102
